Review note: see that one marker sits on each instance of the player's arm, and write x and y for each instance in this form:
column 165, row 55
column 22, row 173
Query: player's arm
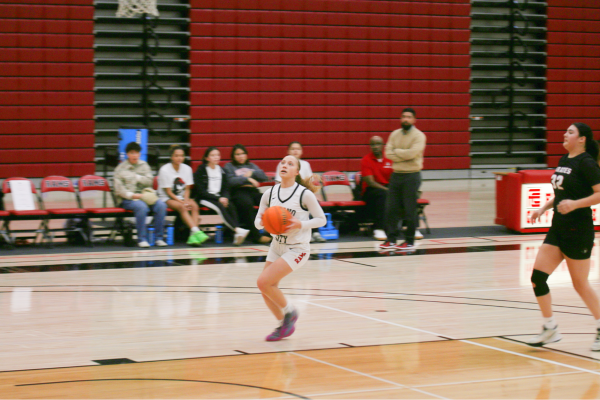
column 566, row 206
column 264, row 204
column 536, row 215
column 310, row 202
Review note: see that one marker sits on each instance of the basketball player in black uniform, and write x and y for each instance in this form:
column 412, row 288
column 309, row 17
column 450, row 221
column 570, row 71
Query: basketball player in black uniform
column 576, row 183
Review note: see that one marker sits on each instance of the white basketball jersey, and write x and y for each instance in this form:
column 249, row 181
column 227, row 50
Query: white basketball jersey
column 293, row 203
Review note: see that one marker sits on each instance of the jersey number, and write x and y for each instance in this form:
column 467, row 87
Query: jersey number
column 557, row 181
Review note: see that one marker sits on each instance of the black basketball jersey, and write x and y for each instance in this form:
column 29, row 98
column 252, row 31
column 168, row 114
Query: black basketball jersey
column 573, row 180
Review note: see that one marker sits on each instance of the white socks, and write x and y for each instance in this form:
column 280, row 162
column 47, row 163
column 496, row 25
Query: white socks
column 194, row 229
column 288, row 308
column 550, row 323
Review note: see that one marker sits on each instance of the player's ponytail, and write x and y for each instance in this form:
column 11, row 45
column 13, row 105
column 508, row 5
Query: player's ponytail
column 307, row 182
column 591, row 146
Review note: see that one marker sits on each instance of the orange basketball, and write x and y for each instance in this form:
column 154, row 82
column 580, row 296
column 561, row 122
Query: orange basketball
column 276, row 220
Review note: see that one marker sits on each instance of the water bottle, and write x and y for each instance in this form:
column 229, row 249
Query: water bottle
column 170, row 235
column 151, row 235
column 219, row 234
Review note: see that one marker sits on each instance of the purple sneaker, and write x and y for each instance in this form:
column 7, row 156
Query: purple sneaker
column 277, row 335
column 286, row 329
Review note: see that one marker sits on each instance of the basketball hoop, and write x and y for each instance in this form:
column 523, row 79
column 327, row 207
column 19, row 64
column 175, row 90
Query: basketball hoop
column 129, row 8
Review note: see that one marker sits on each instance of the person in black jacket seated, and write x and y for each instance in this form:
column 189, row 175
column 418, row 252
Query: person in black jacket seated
column 212, row 191
column 244, row 177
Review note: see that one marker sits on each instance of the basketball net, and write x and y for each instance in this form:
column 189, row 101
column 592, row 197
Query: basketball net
column 129, row 8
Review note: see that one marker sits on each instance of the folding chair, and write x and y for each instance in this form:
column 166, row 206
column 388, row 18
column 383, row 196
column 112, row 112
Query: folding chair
column 336, row 189
column 342, row 196
column 89, row 187
column 23, row 215
column 53, row 184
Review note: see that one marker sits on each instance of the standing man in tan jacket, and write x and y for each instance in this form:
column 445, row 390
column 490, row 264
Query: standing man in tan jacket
column 405, row 148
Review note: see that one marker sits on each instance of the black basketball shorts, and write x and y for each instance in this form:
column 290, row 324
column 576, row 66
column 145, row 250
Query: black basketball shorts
column 574, row 240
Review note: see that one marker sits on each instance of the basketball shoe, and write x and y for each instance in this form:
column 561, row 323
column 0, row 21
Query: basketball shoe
column 406, row 247
column 197, row 238
column 387, row 245
column 548, row 336
column 278, row 335
column 289, row 320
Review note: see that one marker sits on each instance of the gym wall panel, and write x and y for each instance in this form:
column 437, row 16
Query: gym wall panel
column 573, row 73
column 329, row 74
column 46, row 88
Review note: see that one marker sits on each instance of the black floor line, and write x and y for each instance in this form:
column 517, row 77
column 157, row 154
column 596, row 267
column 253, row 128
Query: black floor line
column 308, row 294
column 550, row 349
column 163, row 380
column 202, row 260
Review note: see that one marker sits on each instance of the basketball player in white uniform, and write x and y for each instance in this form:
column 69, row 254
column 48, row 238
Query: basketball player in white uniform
column 291, row 250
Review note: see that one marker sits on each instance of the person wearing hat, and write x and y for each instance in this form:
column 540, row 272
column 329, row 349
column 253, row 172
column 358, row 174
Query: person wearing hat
column 133, row 188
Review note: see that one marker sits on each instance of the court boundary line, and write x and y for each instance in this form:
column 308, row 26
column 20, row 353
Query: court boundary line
column 463, row 340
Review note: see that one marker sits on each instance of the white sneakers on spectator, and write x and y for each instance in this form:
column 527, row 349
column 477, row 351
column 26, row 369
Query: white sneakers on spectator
column 143, row 244
column 379, row 234
column 316, row 237
column 240, row 236
column 160, row 243
column 418, row 235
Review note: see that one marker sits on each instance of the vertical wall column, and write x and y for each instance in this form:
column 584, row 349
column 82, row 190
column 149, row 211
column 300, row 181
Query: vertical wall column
column 573, row 70
column 46, row 88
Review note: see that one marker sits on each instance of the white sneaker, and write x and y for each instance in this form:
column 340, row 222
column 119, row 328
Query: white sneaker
column 143, row 244
column 316, row 237
column 418, row 235
column 240, row 236
column 546, row 337
column 160, row 243
column 596, row 345
column 379, row 234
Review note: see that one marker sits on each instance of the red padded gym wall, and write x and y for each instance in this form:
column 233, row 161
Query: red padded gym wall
column 46, row 88
column 329, row 74
column 573, row 88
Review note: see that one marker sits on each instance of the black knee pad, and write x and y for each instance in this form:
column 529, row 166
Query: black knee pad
column 539, row 279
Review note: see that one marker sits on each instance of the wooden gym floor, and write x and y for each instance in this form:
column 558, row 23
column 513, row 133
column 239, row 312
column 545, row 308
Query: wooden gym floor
column 446, row 322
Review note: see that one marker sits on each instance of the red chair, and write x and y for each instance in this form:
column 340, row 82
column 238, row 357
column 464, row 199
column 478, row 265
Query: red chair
column 70, row 208
column 23, row 215
column 92, row 185
column 271, row 181
column 343, row 196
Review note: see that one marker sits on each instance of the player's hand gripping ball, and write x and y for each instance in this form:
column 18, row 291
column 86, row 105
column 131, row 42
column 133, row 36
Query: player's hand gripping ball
column 276, row 220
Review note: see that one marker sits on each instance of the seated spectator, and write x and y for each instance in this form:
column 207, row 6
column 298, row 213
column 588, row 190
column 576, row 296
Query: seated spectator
column 174, row 186
column 295, row 149
column 130, row 178
column 211, row 190
column 243, row 178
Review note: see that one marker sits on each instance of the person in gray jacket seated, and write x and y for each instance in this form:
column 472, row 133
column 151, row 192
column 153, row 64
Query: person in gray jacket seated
column 244, row 178
column 130, row 178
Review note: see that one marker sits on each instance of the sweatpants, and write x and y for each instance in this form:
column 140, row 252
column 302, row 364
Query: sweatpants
column 229, row 214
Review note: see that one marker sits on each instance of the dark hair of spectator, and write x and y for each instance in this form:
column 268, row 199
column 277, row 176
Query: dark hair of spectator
column 237, row 147
column 206, row 153
column 591, row 146
column 173, row 148
column 292, row 143
column 410, row 110
column 133, row 146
